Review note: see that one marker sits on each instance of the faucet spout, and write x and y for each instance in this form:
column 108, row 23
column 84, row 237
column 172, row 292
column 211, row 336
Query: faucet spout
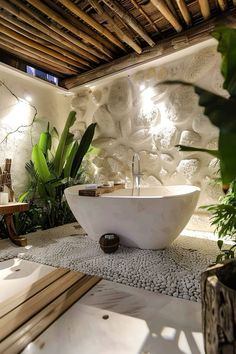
column 136, row 173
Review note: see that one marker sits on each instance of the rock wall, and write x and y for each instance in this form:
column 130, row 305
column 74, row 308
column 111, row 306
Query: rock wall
column 134, row 114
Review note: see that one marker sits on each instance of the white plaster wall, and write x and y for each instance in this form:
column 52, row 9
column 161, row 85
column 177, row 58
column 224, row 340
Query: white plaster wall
column 52, row 105
column 135, row 115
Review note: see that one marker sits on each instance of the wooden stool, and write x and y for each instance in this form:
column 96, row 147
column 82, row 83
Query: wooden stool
column 8, row 210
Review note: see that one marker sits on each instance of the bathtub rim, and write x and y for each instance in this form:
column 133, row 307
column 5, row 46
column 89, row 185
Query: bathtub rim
column 192, row 190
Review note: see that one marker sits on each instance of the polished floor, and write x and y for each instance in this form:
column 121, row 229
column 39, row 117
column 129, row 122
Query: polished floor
column 111, row 318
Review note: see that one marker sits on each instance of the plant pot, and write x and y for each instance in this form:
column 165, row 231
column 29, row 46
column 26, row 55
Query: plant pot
column 218, row 285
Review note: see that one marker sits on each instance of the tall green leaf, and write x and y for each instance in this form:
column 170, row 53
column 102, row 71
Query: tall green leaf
column 70, row 159
column 227, row 47
column 227, row 150
column 65, row 140
column 83, row 148
column 214, row 153
column 40, row 164
column 45, row 142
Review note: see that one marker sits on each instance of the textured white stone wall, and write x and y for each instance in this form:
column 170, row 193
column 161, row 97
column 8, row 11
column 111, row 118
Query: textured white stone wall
column 52, row 106
column 134, row 114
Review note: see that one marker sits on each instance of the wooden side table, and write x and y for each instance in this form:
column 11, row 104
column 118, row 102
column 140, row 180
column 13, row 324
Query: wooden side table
column 8, row 210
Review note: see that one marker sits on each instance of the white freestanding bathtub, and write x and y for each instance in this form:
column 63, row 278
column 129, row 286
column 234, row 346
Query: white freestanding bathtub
column 150, row 221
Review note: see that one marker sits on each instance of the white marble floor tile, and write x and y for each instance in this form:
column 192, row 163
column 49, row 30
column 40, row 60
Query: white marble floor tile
column 89, row 330
column 174, row 324
column 17, row 274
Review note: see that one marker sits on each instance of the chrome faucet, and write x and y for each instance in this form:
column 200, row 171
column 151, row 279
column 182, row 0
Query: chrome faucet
column 136, row 173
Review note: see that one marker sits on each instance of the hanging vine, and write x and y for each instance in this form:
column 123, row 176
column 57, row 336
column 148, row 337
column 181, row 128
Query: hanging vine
column 22, row 126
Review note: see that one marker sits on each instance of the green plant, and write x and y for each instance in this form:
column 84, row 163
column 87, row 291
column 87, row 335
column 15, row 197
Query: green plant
column 49, row 175
column 222, row 113
column 223, row 217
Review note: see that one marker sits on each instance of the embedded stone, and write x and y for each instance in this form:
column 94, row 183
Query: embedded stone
column 141, row 137
column 212, row 144
column 202, row 125
column 189, row 138
column 189, row 168
column 120, row 98
column 105, row 143
column 149, row 162
column 214, row 167
column 200, row 64
column 166, row 136
column 115, row 165
column 81, row 99
column 96, row 96
column 105, row 124
column 162, row 73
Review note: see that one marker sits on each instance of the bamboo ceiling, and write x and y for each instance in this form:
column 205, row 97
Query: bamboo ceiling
column 71, row 37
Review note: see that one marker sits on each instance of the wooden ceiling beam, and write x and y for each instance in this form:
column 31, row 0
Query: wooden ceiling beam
column 129, row 19
column 184, row 11
column 91, row 22
column 82, row 63
column 37, row 46
column 34, row 53
column 168, row 46
column 125, row 38
column 51, row 30
column 140, row 9
column 205, row 8
column 169, row 16
column 59, row 19
column 74, row 21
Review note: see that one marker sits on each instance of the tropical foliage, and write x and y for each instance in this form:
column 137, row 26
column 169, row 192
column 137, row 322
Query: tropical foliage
column 49, row 175
column 222, row 113
column 223, row 217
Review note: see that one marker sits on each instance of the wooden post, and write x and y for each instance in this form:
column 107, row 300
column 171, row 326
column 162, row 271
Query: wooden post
column 218, row 285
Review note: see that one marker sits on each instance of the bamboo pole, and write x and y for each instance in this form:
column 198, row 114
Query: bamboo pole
column 165, row 11
column 74, row 21
column 130, row 20
column 140, row 9
column 31, row 58
column 53, row 32
column 5, row 15
column 194, row 35
column 184, row 11
column 81, row 62
column 169, row 3
column 102, row 12
column 59, row 19
column 37, row 46
column 91, row 22
column 38, row 54
column 205, row 8
column 223, row 5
